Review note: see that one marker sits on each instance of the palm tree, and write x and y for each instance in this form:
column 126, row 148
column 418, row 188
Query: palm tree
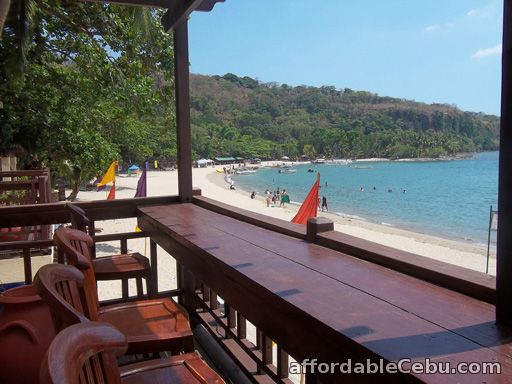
column 23, row 18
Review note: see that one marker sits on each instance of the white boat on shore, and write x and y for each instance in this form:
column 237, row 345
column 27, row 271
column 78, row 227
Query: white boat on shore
column 338, row 162
column 318, row 161
column 245, row 171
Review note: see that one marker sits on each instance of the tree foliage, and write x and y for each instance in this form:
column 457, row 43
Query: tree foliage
column 97, row 86
column 271, row 120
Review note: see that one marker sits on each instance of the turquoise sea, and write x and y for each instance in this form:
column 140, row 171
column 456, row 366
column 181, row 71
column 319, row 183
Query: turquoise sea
column 450, row 198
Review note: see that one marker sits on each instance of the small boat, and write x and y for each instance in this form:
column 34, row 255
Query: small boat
column 245, row 171
column 287, row 170
column 361, row 167
column 319, row 161
column 311, row 170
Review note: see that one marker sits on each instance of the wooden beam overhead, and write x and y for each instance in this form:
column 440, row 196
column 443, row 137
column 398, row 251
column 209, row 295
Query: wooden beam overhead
column 179, row 11
column 205, row 6
column 139, row 3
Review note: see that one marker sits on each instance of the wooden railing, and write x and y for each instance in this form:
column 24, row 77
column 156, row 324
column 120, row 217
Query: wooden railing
column 22, row 188
column 261, row 358
column 228, row 322
column 97, row 211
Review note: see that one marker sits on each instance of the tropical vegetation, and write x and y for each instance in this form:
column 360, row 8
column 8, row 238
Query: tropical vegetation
column 243, row 117
column 84, row 84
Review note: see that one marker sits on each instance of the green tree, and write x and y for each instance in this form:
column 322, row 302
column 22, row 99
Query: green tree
column 94, row 88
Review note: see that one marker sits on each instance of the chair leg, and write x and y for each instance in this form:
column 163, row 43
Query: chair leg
column 188, row 345
column 140, row 290
column 150, row 287
column 124, row 288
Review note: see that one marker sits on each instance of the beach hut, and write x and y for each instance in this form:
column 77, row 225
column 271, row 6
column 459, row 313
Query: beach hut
column 204, row 162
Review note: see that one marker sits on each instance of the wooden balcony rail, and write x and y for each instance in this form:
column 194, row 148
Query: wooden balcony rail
column 229, row 327
column 263, row 327
column 24, row 187
column 315, row 302
column 98, row 211
column 25, row 250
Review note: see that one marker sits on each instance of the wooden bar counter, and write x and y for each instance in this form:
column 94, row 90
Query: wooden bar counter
column 318, row 303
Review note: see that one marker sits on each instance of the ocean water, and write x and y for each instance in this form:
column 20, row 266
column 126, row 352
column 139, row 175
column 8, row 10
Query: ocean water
column 450, row 199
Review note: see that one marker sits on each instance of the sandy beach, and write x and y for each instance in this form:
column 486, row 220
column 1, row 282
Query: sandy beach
column 213, row 186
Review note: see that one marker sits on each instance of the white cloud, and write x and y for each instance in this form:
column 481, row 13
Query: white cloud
column 491, row 51
column 472, row 12
column 432, row 28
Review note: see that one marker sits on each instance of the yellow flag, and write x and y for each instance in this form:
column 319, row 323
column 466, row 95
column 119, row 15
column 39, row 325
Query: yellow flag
column 109, row 176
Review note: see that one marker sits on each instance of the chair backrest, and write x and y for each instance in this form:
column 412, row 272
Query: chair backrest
column 79, row 219
column 61, row 287
column 76, row 246
column 85, row 354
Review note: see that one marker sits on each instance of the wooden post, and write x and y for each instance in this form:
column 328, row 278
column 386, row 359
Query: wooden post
column 153, row 255
column 5, row 166
column 504, row 246
column 317, row 225
column 183, row 135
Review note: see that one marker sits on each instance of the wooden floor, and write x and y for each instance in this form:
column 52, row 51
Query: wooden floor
column 319, row 303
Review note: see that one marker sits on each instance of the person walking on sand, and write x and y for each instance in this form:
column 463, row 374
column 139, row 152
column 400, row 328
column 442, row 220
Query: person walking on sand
column 324, row 204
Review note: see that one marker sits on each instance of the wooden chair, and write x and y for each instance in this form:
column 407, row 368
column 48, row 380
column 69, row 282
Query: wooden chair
column 86, row 353
column 116, row 267
column 149, row 325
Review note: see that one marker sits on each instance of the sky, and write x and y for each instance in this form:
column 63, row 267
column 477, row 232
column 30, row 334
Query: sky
column 433, row 51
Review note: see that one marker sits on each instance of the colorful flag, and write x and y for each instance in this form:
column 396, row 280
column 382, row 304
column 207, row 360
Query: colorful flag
column 101, row 188
column 309, row 207
column 109, row 176
column 142, row 190
column 112, row 193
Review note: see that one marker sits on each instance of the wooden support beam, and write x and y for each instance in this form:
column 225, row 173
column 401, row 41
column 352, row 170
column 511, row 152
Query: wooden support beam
column 205, row 6
column 140, row 3
column 182, row 86
column 178, row 12
column 504, row 247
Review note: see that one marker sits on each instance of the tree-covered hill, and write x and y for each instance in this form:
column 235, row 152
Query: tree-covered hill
column 240, row 116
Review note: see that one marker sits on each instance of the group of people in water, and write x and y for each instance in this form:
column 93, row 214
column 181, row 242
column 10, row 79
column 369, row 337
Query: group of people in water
column 389, row 190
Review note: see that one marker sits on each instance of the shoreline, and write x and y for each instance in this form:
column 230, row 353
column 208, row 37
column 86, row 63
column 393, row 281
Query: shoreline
column 455, row 251
column 213, row 186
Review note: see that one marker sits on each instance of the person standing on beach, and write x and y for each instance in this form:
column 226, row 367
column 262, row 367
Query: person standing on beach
column 324, row 204
column 284, row 198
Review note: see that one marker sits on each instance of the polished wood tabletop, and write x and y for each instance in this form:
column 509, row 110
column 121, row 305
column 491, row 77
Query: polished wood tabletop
column 320, row 303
